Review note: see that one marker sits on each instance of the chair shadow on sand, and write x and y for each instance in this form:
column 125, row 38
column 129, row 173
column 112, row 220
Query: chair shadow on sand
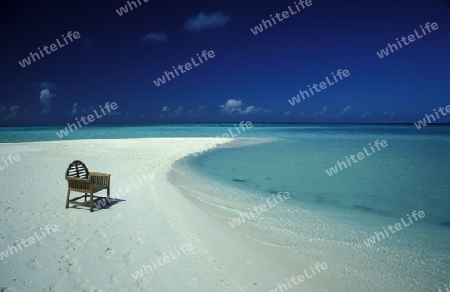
column 99, row 204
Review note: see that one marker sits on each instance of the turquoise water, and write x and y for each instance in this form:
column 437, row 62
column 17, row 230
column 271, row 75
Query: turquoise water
column 282, row 130
column 411, row 173
column 30, row 134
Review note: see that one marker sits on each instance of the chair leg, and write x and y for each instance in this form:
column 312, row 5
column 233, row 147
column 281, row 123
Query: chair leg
column 92, row 202
column 107, row 196
column 67, row 200
column 85, row 196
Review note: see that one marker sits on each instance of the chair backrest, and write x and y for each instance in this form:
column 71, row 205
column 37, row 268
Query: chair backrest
column 77, row 169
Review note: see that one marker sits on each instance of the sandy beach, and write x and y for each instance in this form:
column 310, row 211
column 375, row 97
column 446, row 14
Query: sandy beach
column 152, row 237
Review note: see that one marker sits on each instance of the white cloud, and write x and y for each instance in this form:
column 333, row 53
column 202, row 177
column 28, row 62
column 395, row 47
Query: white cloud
column 178, row 111
column 322, row 112
column 249, row 110
column 315, row 114
column 233, row 106
column 387, row 113
column 346, row 110
column 14, row 111
column 167, row 112
column 74, row 110
column 155, row 36
column 201, row 111
column 366, row 114
column 233, row 103
column 46, row 100
column 203, row 21
column 46, row 97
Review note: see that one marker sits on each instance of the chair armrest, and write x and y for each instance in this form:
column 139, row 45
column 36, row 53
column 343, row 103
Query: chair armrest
column 99, row 178
column 79, row 183
column 98, row 174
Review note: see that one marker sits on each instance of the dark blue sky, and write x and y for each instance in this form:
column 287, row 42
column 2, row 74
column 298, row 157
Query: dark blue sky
column 251, row 76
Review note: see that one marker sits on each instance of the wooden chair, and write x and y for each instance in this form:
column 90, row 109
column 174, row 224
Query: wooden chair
column 79, row 179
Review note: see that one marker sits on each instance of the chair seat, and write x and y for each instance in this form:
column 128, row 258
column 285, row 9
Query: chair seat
column 98, row 187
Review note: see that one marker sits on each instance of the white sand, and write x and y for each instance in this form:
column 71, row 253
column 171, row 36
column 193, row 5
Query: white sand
column 99, row 251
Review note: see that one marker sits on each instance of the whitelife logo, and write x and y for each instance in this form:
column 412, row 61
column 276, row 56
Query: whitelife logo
column 284, row 14
column 411, row 38
column 372, row 240
column 360, row 157
column 210, row 145
column 76, row 35
column 122, row 191
column 64, row 132
column 188, row 66
column 11, row 158
column 322, row 85
column 296, row 280
column 122, row 10
column 165, row 259
column 31, row 240
column 423, row 123
column 239, row 220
